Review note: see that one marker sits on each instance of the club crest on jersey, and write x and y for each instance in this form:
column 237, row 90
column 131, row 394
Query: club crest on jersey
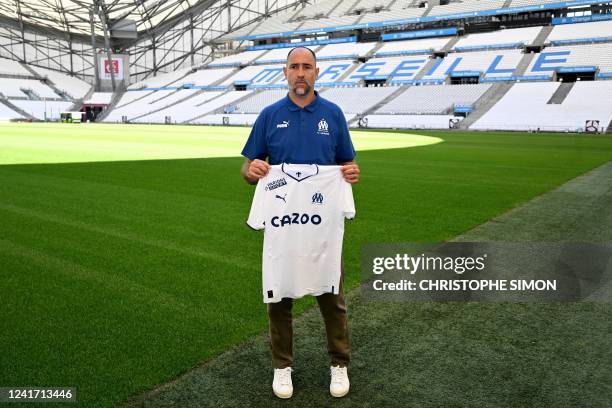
column 323, row 127
column 276, row 184
column 317, row 198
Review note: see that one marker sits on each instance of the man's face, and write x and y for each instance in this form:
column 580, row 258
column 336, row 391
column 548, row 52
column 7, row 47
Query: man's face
column 301, row 72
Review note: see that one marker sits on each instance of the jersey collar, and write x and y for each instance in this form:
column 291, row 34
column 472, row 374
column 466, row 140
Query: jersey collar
column 300, row 172
column 310, row 107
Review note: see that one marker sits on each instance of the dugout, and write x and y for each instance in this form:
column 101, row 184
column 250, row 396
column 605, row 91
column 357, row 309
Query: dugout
column 375, row 80
column 464, row 77
column 573, row 74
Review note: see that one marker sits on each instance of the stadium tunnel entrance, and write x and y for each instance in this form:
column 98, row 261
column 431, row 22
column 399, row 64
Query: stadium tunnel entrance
column 91, row 112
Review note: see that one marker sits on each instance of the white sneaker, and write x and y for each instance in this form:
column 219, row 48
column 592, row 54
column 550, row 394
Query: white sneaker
column 339, row 385
column 282, row 386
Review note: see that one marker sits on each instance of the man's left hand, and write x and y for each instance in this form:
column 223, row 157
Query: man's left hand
column 350, row 171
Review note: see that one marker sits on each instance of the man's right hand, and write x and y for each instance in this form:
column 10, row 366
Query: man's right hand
column 253, row 170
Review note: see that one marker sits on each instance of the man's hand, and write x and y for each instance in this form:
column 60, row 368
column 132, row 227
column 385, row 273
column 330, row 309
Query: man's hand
column 252, row 171
column 350, row 171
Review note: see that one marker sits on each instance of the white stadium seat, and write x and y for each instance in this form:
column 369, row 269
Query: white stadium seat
column 357, row 100
column 582, row 31
column 433, row 99
column 43, row 109
column 510, row 37
column 75, row 87
column 6, row 113
column 526, row 107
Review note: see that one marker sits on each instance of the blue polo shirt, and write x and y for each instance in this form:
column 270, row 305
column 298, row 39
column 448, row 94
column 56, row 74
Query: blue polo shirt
column 286, row 133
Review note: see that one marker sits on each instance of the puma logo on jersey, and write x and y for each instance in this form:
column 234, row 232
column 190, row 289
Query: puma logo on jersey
column 282, row 198
column 295, row 218
column 283, row 124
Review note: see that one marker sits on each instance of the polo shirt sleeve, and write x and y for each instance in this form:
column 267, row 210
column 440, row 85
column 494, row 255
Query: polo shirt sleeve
column 256, row 146
column 344, row 148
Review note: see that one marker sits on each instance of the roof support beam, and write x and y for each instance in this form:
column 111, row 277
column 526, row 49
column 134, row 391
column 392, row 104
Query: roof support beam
column 93, row 47
column 109, row 54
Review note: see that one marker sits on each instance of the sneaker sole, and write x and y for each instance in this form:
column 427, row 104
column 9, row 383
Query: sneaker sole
column 339, row 395
column 283, row 396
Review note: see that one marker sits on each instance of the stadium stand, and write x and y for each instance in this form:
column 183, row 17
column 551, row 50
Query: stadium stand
column 10, row 67
column 131, row 96
column 6, row 113
column 553, row 58
column 407, row 47
column 241, row 58
column 25, row 88
column 522, row 3
column 75, row 87
column 179, row 111
column 151, row 102
column 43, row 110
column 330, row 72
column 582, row 32
column 511, row 38
column 227, row 100
column 205, row 77
column 183, row 111
column 389, row 67
column 328, row 22
column 378, row 76
column 433, row 99
column 260, row 100
column 466, row 6
column 371, row 4
column 99, row 98
column 392, row 15
column 488, row 63
column 160, row 80
column 345, row 50
column 256, row 74
column 357, row 100
column 276, row 56
column 527, row 107
column 276, row 25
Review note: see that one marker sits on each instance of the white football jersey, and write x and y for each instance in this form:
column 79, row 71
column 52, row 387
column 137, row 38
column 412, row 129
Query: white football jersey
column 301, row 208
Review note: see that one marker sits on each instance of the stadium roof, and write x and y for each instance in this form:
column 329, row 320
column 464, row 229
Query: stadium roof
column 73, row 16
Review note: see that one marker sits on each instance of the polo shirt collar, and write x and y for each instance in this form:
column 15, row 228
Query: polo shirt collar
column 310, row 107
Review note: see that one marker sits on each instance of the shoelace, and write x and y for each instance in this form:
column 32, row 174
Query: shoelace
column 284, row 376
column 338, row 374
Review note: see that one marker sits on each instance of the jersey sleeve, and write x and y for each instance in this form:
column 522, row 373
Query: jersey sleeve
column 256, row 146
column 256, row 218
column 348, row 203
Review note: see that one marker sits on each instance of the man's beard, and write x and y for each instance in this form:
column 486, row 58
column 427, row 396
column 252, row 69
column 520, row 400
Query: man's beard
column 303, row 89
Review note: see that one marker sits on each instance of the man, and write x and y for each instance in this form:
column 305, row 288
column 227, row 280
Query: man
column 289, row 131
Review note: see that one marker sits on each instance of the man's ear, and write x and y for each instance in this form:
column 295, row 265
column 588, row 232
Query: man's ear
column 285, row 72
column 317, row 71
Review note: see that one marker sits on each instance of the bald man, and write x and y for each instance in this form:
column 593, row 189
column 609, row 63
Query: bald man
column 290, row 131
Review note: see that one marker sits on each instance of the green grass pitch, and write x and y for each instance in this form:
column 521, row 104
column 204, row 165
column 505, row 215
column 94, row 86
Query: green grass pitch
column 124, row 255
